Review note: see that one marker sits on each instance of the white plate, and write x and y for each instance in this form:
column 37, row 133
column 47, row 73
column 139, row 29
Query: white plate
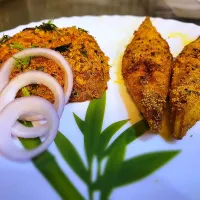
column 178, row 180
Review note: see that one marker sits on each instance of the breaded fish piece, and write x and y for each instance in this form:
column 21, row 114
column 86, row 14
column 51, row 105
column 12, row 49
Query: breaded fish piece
column 185, row 90
column 146, row 69
column 89, row 64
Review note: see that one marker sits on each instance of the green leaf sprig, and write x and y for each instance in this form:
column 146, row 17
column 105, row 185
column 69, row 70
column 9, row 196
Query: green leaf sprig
column 47, row 26
column 25, row 92
column 16, row 45
column 20, row 62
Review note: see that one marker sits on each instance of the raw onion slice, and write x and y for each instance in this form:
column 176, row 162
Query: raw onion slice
column 6, row 69
column 22, row 131
column 11, row 113
column 9, row 92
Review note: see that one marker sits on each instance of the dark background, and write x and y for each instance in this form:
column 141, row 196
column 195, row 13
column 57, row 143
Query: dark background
column 17, row 12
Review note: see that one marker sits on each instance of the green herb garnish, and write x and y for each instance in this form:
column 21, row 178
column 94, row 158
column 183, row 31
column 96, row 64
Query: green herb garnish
column 83, row 30
column 63, row 48
column 25, row 92
column 19, row 62
column 48, row 26
column 34, row 46
column 40, row 68
column 84, row 52
column 4, row 39
column 16, row 45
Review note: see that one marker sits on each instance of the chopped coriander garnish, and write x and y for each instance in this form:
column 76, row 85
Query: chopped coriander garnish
column 48, row 26
column 83, row 30
column 84, row 52
column 16, row 45
column 4, row 39
column 25, row 92
column 63, row 48
column 40, row 68
column 34, row 46
column 19, row 62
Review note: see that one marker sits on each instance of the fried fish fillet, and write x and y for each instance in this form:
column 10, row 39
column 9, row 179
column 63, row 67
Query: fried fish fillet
column 146, row 69
column 185, row 90
column 89, row 64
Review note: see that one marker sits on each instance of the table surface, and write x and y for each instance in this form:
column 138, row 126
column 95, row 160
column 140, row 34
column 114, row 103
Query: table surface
column 17, row 12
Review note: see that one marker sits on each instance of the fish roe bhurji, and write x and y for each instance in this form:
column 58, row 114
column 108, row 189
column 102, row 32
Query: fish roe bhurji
column 89, row 64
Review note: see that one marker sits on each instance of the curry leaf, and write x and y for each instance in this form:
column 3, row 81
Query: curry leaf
column 63, row 48
column 141, row 166
column 93, row 125
column 107, row 134
column 71, row 156
column 80, row 123
column 131, row 134
column 47, row 26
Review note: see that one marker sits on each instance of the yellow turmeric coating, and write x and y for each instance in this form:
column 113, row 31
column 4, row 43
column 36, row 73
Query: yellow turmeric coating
column 185, row 90
column 89, row 64
column 146, row 68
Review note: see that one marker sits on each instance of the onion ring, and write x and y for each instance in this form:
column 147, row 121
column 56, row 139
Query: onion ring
column 22, row 131
column 9, row 92
column 11, row 113
column 7, row 67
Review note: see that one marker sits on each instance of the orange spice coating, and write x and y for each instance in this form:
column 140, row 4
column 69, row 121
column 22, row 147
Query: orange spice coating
column 146, row 68
column 89, row 64
column 185, row 90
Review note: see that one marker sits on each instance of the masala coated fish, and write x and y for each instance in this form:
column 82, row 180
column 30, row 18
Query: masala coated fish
column 146, row 69
column 89, row 64
column 185, row 90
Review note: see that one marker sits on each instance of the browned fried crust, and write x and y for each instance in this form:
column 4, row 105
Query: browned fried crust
column 146, row 69
column 89, row 64
column 185, row 90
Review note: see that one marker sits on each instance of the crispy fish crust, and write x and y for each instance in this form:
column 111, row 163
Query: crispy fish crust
column 146, row 68
column 89, row 64
column 185, row 90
